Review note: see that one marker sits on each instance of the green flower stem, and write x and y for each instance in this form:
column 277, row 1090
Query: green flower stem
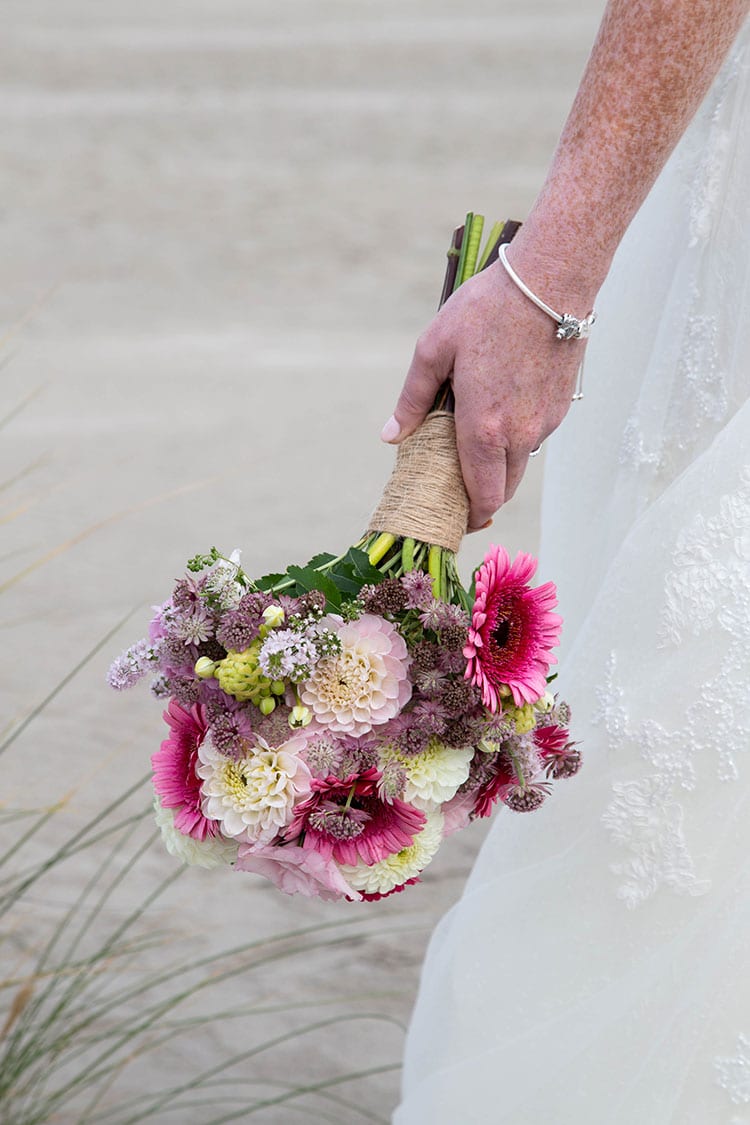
column 464, row 250
column 434, row 567
column 407, row 555
column 381, row 547
column 472, row 249
column 492, row 238
column 517, row 767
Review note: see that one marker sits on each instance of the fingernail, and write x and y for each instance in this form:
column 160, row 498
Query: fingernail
column 390, row 430
column 489, row 523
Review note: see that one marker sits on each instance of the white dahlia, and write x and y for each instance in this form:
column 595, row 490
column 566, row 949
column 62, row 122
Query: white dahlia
column 384, row 876
column 213, row 851
column 434, row 775
column 253, row 796
column 366, row 683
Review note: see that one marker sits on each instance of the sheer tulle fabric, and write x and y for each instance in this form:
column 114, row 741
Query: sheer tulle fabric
column 597, row 967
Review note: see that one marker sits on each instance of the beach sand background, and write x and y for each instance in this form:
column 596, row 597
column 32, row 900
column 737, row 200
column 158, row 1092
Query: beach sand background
column 222, row 228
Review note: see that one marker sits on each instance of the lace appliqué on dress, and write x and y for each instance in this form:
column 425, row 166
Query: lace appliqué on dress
column 733, row 1072
column 707, row 589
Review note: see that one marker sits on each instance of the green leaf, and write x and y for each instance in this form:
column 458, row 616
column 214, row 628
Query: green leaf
column 268, row 581
column 346, row 584
column 362, row 565
column 308, row 579
column 318, row 561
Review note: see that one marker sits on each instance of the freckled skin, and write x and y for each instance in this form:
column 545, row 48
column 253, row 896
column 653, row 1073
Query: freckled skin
column 650, row 67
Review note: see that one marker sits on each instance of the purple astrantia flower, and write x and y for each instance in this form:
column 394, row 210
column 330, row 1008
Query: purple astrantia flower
column 452, row 661
column 431, row 682
column 323, row 754
column 428, row 717
column 240, row 627
column 231, row 733
column 442, row 615
column 418, row 589
column 132, row 664
column 193, row 626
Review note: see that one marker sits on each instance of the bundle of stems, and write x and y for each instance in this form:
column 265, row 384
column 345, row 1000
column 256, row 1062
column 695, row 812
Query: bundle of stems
column 395, row 555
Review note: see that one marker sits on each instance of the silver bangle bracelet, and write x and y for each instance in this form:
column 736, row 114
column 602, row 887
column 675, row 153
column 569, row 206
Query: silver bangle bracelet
column 569, row 327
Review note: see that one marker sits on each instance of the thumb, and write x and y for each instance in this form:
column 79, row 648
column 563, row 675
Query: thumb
column 429, row 369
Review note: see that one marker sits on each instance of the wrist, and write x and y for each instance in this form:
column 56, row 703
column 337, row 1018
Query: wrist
column 559, row 261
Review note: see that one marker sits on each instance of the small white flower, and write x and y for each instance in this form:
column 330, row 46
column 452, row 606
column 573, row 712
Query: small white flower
column 214, row 851
column 273, row 615
column 253, row 797
column 395, row 870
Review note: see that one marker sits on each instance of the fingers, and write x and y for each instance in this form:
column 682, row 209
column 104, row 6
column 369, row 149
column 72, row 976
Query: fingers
column 429, row 369
column 515, row 466
column 483, row 456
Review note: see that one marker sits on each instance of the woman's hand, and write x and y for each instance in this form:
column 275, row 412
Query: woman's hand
column 513, row 381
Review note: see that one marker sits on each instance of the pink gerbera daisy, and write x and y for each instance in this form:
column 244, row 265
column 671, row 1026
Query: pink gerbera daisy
column 512, row 630
column 175, row 780
column 347, row 820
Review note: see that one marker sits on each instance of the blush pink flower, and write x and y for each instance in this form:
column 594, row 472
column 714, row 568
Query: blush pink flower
column 513, row 629
column 296, row 870
column 175, row 779
column 347, row 820
column 363, row 685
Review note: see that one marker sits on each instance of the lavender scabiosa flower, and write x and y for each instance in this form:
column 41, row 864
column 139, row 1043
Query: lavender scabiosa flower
column 287, row 655
column 418, row 589
column 160, row 687
column 132, row 664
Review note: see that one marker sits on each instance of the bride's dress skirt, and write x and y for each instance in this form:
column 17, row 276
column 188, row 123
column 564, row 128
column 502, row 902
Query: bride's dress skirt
column 597, row 969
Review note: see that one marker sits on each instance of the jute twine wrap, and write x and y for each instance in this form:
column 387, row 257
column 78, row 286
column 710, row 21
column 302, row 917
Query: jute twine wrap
column 425, row 497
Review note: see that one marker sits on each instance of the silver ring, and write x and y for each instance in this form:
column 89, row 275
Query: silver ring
column 538, row 449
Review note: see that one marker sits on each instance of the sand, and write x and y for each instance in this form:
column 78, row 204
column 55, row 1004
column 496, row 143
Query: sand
column 222, row 229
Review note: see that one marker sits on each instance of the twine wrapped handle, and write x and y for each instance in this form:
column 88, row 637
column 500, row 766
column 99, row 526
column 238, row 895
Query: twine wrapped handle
column 425, row 497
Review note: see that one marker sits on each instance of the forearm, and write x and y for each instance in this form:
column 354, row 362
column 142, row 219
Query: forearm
column 651, row 65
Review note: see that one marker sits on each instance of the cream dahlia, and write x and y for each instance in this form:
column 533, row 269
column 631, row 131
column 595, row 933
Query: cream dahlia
column 512, row 631
column 363, row 685
column 212, row 851
column 252, row 797
column 434, row 774
column 392, row 872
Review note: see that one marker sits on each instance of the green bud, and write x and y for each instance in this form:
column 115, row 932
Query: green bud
column 278, row 687
column 267, row 705
column 205, row 668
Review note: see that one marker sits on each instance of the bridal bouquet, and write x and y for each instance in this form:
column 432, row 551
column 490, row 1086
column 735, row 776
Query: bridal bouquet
column 330, row 724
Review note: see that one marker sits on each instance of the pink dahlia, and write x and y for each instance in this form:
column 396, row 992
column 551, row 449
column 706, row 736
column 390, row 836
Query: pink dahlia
column 512, row 631
column 363, row 685
column 175, row 779
column 347, row 820
column 296, row 871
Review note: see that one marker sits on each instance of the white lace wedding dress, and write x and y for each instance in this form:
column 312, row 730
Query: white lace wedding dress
column 597, row 968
